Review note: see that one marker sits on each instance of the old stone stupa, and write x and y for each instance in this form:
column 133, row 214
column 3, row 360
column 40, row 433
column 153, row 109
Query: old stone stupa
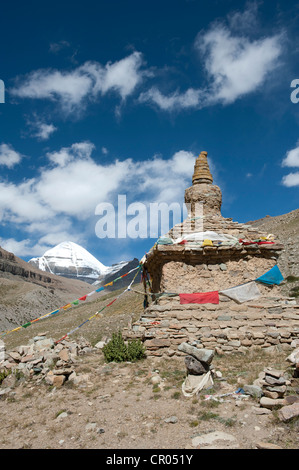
column 213, row 283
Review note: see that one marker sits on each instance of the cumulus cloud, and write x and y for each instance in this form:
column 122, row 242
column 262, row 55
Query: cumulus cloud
column 23, row 247
column 40, row 129
column 234, row 64
column 8, row 156
column 291, row 180
column 59, row 203
column 175, row 101
column 75, row 88
column 291, row 160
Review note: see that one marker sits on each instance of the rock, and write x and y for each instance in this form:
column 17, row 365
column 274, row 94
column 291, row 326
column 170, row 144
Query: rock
column 290, row 399
column 90, row 427
column 194, row 366
column 293, row 357
column 211, row 438
column 9, row 381
column 100, row 345
column 43, row 344
column 171, row 419
column 28, row 358
column 62, row 415
column 156, row 379
column 5, row 391
column 261, row 411
column 270, row 403
column 64, row 371
column 55, row 380
column 275, row 381
column 64, row 355
column 253, row 391
column 15, row 356
column 267, row 445
column 202, row 355
column 288, row 412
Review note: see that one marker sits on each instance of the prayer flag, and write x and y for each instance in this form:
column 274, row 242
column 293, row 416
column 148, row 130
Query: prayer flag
column 243, row 293
column 273, row 276
column 200, row 298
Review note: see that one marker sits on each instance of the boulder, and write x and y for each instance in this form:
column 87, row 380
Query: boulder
column 194, row 366
column 202, row 355
column 288, row 412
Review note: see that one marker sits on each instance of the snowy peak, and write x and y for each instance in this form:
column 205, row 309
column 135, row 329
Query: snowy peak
column 70, row 260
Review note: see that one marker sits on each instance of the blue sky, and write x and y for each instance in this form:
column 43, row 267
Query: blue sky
column 119, row 98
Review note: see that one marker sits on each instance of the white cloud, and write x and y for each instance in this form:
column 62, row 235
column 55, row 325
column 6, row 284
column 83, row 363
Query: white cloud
column 73, row 89
column 292, row 158
column 60, row 202
column 44, row 130
column 175, row 101
column 291, row 180
column 234, row 64
column 8, row 156
column 23, row 247
column 40, row 129
column 244, row 20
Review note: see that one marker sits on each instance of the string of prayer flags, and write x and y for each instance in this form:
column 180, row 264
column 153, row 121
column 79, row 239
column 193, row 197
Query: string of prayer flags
column 75, row 302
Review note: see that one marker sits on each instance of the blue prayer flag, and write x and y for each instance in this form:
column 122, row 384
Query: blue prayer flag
column 273, row 276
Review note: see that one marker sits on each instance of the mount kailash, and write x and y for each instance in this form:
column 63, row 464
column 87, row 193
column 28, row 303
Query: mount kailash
column 70, row 260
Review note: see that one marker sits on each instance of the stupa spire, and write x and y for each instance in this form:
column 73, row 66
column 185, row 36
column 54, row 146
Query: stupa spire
column 202, row 172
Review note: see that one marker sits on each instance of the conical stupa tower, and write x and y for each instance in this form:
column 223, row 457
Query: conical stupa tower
column 203, row 193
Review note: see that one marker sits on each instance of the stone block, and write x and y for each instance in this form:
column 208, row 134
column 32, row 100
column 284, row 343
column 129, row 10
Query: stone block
column 288, row 412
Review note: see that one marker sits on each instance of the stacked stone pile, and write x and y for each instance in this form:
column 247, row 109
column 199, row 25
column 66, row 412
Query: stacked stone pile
column 198, row 364
column 42, row 359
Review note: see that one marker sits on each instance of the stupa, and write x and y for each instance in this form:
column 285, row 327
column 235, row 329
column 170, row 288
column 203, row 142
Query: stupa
column 213, row 282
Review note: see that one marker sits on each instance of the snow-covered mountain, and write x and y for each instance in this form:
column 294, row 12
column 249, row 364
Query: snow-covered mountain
column 71, row 260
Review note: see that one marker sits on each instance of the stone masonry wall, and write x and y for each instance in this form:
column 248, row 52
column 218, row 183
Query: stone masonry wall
column 227, row 327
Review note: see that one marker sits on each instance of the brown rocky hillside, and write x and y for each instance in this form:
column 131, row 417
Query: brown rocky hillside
column 27, row 292
column 286, row 228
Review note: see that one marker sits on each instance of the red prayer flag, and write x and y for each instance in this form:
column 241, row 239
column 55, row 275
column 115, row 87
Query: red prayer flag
column 83, row 298
column 200, row 298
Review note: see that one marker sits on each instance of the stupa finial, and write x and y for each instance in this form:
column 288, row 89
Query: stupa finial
column 202, row 172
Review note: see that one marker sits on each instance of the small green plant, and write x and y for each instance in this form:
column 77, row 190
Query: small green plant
column 4, row 374
column 118, row 351
column 292, row 278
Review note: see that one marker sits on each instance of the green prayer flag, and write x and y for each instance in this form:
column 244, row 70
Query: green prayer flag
column 26, row 324
column 76, row 302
